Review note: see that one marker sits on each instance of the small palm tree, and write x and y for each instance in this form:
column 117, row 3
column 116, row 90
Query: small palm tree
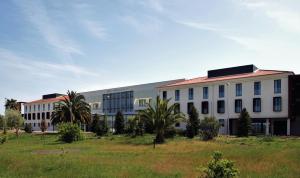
column 162, row 116
column 72, row 108
column 11, row 104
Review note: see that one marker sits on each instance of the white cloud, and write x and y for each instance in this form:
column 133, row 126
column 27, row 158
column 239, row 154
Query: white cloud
column 41, row 69
column 153, row 4
column 95, row 28
column 36, row 13
column 201, row 26
column 147, row 25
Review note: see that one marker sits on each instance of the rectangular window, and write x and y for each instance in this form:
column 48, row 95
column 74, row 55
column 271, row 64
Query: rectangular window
column 257, row 88
column 39, row 108
column 221, row 106
column 43, row 107
column 177, row 108
column 49, row 106
column 38, row 116
column 177, row 95
column 29, row 108
column 29, row 116
column 165, row 95
column 277, row 104
column 221, row 91
column 256, row 105
column 34, row 108
column 48, row 115
column 277, row 86
column 25, row 108
column 238, row 106
column 205, row 92
column 191, row 93
column 25, row 116
column 205, row 107
column 142, row 102
column 222, row 122
column 33, row 116
column 189, row 107
column 43, row 115
column 239, row 89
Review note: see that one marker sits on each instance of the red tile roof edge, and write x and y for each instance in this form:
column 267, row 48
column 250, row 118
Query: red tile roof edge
column 59, row 98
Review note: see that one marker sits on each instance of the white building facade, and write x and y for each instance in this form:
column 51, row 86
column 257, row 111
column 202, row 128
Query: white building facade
column 223, row 95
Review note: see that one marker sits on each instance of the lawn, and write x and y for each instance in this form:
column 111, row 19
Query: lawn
column 121, row 156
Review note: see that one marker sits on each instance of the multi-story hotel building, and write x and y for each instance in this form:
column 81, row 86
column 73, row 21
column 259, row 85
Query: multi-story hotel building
column 37, row 110
column 223, row 93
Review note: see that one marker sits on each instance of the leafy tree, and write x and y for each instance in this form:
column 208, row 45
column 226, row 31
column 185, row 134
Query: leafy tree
column 220, row 168
column 193, row 123
column 99, row 126
column 244, row 124
column 3, row 123
column 209, row 128
column 163, row 116
column 119, row 123
column 11, row 104
column 69, row 132
column 72, row 108
column 14, row 120
column 134, row 126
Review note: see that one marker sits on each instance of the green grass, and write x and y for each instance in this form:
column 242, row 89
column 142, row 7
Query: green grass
column 121, row 156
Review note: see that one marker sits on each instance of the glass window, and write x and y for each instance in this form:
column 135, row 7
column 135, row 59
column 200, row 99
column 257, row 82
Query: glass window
column 39, row 107
column 49, row 106
column 221, row 106
column 239, row 89
column 165, row 95
column 38, row 116
column 142, row 102
column 256, row 105
column 221, row 91
column 43, row 107
column 277, row 86
column 191, row 93
column 177, row 95
column 257, row 88
column 114, row 102
column 205, row 107
column 205, row 92
column 33, row 116
column 222, row 122
column 34, row 108
column 238, row 106
column 277, row 104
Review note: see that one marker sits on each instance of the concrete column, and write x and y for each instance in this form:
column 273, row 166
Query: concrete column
column 267, row 127
column 288, row 129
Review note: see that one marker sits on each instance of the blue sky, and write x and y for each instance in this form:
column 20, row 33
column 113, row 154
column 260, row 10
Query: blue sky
column 52, row 46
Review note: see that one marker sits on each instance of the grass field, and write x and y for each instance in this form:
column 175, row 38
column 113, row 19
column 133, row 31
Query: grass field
column 120, row 156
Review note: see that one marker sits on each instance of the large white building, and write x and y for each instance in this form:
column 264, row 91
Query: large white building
column 225, row 92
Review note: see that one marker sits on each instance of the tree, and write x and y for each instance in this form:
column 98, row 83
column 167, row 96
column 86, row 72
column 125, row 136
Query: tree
column 44, row 125
column 244, row 124
column 99, row 125
column 72, row 108
column 11, row 104
column 3, row 123
column 95, row 122
column 209, row 128
column 163, row 116
column 14, row 120
column 220, row 168
column 119, row 123
column 134, row 126
column 192, row 127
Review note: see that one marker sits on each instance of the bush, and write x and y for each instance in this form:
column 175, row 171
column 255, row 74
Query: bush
column 220, row 168
column 102, row 127
column 244, row 124
column 69, row 132
column 170, row 132
column 28, row 128
column 180, row 132
column 3, row 140
column 192, row 127
column 209, row 128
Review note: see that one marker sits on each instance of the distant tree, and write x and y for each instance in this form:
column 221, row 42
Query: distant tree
column 3, row 123
column 209, row 128
column 99, row 125
column 11, row 104
column 134, row 126
column 73, row 109
column 95, row 123
column 14, row 120
column 163, row 116
column 193, row 123
column 244, row 124
column 119, row 123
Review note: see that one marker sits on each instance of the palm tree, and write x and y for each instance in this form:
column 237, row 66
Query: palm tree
column 162, row 116
column 72, row 108
column 11, row 104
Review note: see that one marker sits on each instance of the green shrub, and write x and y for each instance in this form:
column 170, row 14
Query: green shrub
column 209, row 128
column 28, row 128
column 69, row 132
column 220, row 168
column 180, row 132
column 267, row 139
column 244, row 124
column 3, row 139
column 170, row 132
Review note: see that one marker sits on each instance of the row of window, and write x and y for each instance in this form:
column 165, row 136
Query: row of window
column 37, row 116
column 115, row 102
column 238, row 90
column 37, row 124
column 38, row 107
column 238, row 106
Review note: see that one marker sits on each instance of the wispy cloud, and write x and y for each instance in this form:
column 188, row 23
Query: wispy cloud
column 95, row 28
column 41, row 69
column 36, row 13
column 154, row 4
column 201, row 26
column 146, row 25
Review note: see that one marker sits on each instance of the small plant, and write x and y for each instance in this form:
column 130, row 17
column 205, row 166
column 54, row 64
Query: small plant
column 69, row 132
column 219, row 167
column 28, row 128
column 2, row 140
column 267, row 139
column 209, row 128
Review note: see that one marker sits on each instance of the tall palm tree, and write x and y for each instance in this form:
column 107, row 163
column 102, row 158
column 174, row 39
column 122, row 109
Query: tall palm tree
column 162, row 117
column 72, row 108
column 11, row 104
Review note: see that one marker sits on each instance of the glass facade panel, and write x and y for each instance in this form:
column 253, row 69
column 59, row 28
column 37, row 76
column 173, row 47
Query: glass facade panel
column 238, row 89
column 221, row 91
column 191, row 93
column 257, row 88
column 277, row 86
column 114, row 102
column 205, row 92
